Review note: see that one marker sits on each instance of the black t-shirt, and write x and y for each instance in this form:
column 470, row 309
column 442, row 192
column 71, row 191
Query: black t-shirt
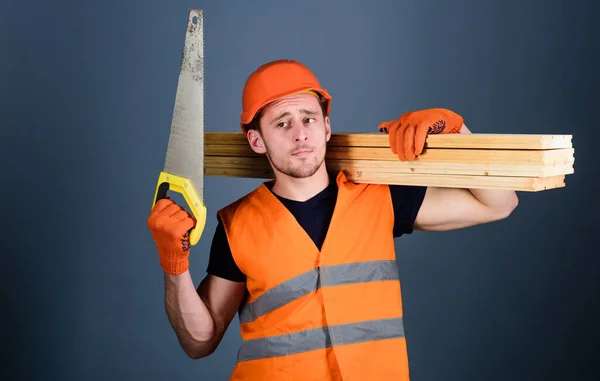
column 314, row 216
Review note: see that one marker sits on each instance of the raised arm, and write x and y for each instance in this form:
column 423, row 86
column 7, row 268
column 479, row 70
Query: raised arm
column 445, row 208
column 199, row 316
column 450, row 208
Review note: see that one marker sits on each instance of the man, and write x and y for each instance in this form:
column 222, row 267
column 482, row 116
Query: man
column 308, row 260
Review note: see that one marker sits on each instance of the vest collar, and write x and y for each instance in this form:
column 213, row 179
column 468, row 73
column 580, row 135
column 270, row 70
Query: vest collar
column 279, row 212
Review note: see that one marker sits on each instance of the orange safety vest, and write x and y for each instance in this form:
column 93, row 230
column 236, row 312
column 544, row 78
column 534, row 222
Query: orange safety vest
column 334, row 314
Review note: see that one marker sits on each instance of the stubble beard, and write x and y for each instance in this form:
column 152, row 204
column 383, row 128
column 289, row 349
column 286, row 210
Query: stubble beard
column 305, row 169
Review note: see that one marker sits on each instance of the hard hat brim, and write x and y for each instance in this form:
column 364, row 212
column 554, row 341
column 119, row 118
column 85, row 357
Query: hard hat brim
column 247, row 117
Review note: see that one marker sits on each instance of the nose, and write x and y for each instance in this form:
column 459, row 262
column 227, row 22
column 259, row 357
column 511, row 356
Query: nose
column 300, row 132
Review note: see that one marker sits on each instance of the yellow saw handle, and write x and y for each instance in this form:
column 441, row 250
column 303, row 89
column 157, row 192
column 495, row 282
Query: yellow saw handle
column 168, row 181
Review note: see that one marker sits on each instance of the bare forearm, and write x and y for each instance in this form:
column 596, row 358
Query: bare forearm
column 456, row 208
column 499, row 202
column 189, row 316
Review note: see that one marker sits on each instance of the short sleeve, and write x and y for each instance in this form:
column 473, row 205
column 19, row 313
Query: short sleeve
column 220, row 261
column 407, row 201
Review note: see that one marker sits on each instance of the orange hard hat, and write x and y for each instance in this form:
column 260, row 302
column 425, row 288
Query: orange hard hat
column 274, row 80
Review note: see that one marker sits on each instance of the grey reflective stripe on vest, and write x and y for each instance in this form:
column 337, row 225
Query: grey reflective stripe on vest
column 280, row 295
column 320, row 338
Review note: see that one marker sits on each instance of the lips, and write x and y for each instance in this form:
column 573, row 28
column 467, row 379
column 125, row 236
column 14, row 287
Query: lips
column 301, row 151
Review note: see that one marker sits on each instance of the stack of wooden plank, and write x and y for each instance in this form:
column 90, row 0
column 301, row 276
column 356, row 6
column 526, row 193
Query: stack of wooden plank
column 517, row 162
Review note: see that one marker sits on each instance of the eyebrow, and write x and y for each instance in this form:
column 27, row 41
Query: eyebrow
column 303, row 111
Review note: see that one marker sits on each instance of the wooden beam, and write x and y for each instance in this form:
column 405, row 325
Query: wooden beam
column 479, row 141
column 490, row 161
column 445, row 155
column 409, row 167
column 524, row 184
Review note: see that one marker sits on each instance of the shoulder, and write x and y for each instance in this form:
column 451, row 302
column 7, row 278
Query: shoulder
column 243, row 214
column 230, row 210
column 398, row 195
column 407, row 193
column 407, row 201
column 355, row 190
column 407, row 198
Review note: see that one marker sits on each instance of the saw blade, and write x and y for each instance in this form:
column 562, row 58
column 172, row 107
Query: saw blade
column 184, row 162
column 185, row 152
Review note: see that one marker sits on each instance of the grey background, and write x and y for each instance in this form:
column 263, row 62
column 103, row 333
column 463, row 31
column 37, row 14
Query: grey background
column 87, row 91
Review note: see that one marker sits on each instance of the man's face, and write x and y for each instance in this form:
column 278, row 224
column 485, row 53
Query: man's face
column 293, row 135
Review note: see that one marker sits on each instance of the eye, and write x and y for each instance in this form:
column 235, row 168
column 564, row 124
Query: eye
column 281, row 124
column 309, row 120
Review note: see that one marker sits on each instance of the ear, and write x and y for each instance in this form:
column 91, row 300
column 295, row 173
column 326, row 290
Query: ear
column 327, row 128
column 256, row 142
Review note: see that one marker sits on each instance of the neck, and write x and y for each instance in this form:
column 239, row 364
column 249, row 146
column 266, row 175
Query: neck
column 301, row 189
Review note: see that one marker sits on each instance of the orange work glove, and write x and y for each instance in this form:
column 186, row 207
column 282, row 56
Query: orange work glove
column 408, row 133
column 170, row 226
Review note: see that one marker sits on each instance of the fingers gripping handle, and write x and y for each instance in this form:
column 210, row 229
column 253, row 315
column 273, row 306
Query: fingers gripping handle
column 182, row 185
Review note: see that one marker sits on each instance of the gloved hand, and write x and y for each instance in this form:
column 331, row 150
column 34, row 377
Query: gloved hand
column 408, row 133
column 170, row 227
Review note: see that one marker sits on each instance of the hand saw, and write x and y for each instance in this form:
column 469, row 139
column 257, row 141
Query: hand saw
column 184, row 163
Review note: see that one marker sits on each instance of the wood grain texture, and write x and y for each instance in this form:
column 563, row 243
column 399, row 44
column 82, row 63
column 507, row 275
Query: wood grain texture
column 528, row 163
